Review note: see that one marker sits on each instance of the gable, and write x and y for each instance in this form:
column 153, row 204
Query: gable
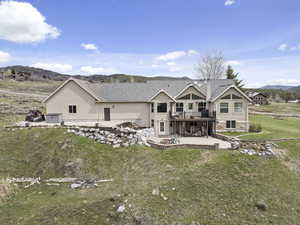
column 190, row 92
column 162, row 97
column 69, row 91
column 80, row 85
column 232, row 94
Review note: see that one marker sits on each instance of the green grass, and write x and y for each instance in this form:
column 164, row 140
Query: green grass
column 211, row 187
column 281, row 108
column 274, row 128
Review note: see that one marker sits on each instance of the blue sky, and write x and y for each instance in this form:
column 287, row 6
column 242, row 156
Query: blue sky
column 259, row 38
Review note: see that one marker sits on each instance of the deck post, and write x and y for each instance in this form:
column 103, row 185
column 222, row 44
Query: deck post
column 207, row 129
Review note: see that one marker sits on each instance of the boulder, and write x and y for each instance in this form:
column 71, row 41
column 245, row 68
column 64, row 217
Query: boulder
column 261, row 205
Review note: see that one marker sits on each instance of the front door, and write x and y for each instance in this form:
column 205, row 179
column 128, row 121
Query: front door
column 162, row 128
column 107, row 114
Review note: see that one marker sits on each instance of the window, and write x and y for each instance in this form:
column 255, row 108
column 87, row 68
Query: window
column 191, row 105
column 185, row 97
column 201, row 106
column 179, row 107
column 230, row 124
column 152, row 107
column 238, row 107
column 195, row 97
column 236, row 97
column 162, row 127
column 72, row 109
column 152, row 123
column 226, row 97
column 223, row 107
column 161, row 107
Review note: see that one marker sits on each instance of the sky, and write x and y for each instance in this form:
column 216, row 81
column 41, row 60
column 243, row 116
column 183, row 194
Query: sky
column 260, row 39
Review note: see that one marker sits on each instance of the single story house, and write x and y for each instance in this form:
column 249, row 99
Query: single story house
column 183, row 107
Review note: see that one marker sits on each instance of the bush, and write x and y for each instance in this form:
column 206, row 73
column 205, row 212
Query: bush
column 255, row 128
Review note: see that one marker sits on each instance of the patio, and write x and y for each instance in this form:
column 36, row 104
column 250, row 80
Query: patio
column 210, row 141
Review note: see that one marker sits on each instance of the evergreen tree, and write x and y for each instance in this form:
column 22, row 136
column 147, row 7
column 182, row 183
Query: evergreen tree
column 230, row 74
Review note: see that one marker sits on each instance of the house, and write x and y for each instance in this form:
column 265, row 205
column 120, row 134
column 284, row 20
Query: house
column 184, row 107
column 258, row 98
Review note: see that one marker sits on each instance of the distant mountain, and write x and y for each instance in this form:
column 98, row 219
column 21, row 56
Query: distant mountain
column 295, row 89
column 22, row 73
column 277, row 87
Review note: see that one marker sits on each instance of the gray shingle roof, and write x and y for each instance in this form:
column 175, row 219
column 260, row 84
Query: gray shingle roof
column 142, row 92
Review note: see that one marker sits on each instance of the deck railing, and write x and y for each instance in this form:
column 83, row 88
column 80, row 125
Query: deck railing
column 192, row 115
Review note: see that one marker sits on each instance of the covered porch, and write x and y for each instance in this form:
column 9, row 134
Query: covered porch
column 197, row 127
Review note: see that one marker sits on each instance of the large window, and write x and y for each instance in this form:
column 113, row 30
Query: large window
column 230, row 124
column 236, row 97
column 188, row 96
column 179, row 107
column 238, row 107
column 224, row 107
column 226, row 97
column 195, row 97
column 72, row 109
column 201, row 106
column 190, row 106
column 161, row 107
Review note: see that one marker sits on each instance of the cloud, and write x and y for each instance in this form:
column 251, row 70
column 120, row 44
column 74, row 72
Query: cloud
column 171, row 63
column 283, row 47
column 89, row 46
column 172, row 55
column 22, row 23
column 291, row 82
column 193, row 52
column 154, row 66
column 5, row 57
column 233, row 63
column 229, row 2
column 176, row 55
column 97, row 70
column 62, row 68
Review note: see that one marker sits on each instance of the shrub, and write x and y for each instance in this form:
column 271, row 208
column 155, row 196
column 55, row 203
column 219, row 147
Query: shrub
column 255, row 128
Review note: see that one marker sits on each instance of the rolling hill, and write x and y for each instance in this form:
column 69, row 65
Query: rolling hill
column 37, row 74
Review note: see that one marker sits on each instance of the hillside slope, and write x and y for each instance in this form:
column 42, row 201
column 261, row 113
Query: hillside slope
column 207, row 187
column 37, row 74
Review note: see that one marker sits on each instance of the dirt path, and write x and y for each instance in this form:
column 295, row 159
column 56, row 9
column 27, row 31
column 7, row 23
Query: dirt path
column 274, row 114
column 23, row 94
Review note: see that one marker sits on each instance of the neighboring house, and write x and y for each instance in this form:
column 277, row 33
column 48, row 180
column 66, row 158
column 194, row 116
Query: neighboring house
column 258, row 98
column 172, row 107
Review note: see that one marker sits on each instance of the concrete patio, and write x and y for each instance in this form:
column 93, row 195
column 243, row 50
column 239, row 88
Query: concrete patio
column 197, row 141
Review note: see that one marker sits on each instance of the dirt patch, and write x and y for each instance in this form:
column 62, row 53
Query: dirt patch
column 292, row 163
column 5, row 189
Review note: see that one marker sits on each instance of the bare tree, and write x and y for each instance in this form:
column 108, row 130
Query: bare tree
column 211, row 66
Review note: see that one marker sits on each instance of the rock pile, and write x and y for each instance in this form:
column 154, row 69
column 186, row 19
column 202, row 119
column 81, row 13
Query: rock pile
column 263, row 149
column 116, row 137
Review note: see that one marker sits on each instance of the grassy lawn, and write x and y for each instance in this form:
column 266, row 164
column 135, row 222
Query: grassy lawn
column 208, row 187
column 281, row 108
column 273, row 128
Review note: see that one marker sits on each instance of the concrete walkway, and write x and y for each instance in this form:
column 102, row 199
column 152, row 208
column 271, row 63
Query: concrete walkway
column 198, row 141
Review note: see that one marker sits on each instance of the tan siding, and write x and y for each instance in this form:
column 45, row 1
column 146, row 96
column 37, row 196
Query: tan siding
column 161, row 117
column 88, row 110
column 241, row 118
